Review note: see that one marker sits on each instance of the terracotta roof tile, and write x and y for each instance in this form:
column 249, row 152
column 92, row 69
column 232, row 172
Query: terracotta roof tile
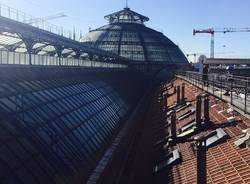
column 226, row 163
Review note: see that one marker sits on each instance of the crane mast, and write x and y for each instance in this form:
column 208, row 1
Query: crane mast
column 212, row 31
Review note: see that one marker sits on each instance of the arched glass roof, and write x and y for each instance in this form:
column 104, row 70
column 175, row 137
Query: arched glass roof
column 55, row 123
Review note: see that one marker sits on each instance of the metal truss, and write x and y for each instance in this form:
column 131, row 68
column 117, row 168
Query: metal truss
column 20, row 37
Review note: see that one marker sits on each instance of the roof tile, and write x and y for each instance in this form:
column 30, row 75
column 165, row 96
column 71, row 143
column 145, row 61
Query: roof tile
column 226, row 163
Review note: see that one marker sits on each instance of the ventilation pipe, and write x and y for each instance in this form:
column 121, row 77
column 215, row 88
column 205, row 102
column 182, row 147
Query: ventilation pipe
column 163, row 102
column 166, row 100
column 201, row 161
column 206, row 110
column 198, row 112
column 178, row 93
column 173, row 125
column 183, row 92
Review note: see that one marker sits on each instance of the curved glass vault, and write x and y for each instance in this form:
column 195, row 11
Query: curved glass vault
column 127, row 36
column 55, row 124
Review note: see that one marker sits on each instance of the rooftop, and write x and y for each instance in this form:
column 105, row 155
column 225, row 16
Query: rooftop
column 153, row 159
column 226, row 163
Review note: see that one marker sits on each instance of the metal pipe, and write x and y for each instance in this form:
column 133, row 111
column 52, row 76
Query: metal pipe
column 206, row 110
column 231, row 93
column 166, row 100
column 178, row 94
column 198, row 112
column 213, row 84
column 162, row 102
column 183, row 92
column 201, row 161
column 173, row 125
column 245, row 98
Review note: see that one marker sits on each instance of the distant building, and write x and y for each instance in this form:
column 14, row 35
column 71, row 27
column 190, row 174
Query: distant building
column 237, row 66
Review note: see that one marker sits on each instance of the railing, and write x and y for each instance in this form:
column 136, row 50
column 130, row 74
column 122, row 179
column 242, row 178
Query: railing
column 233, row 89
column 17, row 15
column 15, row 58
column 224, row 67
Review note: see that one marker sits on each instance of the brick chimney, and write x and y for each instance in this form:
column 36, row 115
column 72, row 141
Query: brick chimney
column 198, row 112
column 183, row 92
column 206, row 110
column 175, row 89
column 163, row 102
column 201, row 160
column 166, row 100
column 173, row 125
column 178, row 94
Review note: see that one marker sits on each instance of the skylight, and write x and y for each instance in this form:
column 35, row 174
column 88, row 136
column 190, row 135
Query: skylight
column 215, row 136
column 169, row 161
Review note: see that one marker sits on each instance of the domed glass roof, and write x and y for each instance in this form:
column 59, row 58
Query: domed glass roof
column 127, row 36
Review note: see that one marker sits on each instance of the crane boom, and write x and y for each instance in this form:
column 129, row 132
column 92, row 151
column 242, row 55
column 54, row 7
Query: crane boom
column 209, row 31
column 228, row 30
column 218, row 30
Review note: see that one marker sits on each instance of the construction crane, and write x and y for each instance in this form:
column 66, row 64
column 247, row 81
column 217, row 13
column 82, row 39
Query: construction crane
column 212, row 31
column 36, row 20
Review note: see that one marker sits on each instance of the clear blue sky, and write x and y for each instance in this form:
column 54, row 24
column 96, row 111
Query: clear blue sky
column 175, row 18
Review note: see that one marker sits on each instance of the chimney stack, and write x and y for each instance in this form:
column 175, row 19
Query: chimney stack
column 163, row 102
column 201, row 161
column 198, row 112
column 166, row 100
column 206, row 110
column 183, row 92
column 173, row 125
column 178, row 94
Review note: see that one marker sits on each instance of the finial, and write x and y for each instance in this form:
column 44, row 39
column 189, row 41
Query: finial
column 126, row 3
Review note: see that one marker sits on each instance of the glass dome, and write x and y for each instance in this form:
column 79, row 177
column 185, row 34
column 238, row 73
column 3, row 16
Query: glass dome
column 127, row 36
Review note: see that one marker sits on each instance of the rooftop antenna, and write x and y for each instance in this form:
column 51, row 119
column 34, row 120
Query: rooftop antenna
column 126, row 3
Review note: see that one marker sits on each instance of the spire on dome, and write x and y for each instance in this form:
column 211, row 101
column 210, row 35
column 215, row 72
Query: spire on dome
column 126, row 4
